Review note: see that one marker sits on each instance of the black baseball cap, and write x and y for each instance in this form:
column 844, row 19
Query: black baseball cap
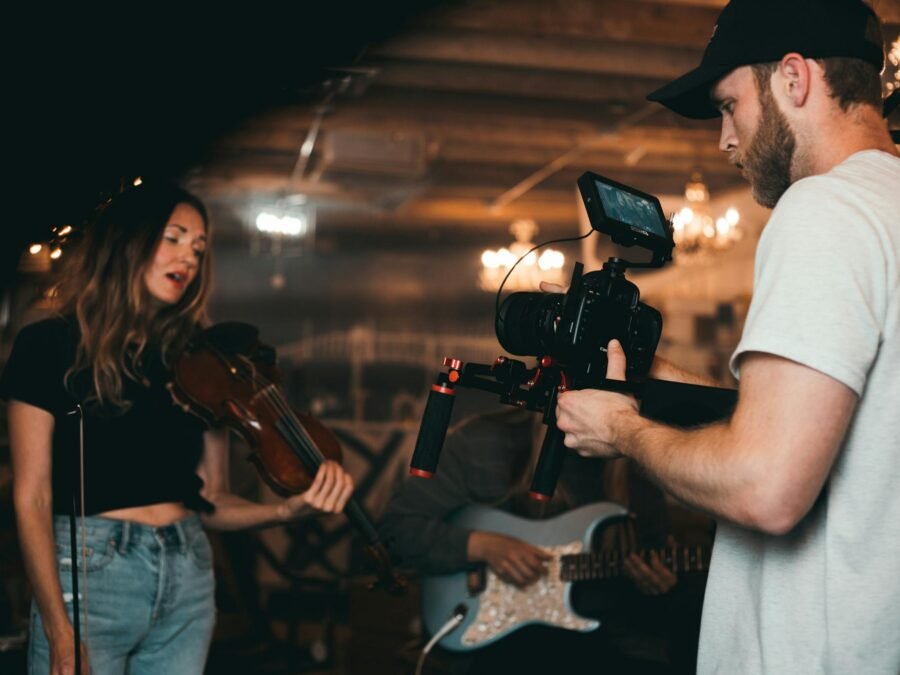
column 762, row 31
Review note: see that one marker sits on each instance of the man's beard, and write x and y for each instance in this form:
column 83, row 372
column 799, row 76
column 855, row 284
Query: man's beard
column 767, row 162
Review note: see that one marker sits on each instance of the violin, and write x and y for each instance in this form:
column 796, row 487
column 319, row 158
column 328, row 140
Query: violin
column 227, row 376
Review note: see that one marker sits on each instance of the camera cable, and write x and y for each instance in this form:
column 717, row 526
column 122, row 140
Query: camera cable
column 528, row 253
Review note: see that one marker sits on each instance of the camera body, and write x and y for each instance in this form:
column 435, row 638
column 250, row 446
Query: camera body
column 574, row 328
column 569, row 333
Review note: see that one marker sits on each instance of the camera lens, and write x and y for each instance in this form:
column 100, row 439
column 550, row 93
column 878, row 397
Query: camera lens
column 525, row 323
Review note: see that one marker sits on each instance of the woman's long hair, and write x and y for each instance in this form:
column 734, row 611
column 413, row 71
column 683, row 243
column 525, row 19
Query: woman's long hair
column 102, row 286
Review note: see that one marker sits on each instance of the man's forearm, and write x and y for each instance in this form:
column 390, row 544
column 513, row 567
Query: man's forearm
column 663, row 369
column 704, row 467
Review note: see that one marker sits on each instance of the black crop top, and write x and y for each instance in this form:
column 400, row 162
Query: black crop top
column 146, row 455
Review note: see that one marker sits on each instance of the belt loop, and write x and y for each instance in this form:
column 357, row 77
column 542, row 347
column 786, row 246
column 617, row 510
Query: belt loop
column 125, row 537
column 182, row 537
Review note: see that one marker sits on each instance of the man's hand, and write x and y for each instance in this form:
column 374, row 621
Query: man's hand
column 652, row 579
column 589, row 417
column 513, row 560
column 328, row 493
column 547, row 287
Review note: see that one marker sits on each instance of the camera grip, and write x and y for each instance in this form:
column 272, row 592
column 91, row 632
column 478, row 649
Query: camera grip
column 433, row 430
column 549, row 465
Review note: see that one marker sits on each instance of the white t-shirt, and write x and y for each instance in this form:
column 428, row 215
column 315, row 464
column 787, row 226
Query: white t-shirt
column 825, row 598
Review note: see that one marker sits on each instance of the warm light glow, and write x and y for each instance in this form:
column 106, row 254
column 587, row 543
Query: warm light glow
column 722, row 226
column 537, row 266
column 551, row 260
column 489, row 259
column 695, row 230
column 732, row 216
column 66, row 230
column 34, row 249
column 138, row 181
column 56, row 253
column 893, row 58
column 290, row 226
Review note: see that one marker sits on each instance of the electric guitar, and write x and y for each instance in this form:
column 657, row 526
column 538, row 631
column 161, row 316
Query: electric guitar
column 496, row 608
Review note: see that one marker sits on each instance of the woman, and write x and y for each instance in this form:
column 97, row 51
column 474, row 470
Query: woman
column 131, row 297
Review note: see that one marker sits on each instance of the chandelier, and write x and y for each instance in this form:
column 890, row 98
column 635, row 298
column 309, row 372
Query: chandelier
column 285, row 230
column 893, row 57
column 696, row 231
column 537, row 266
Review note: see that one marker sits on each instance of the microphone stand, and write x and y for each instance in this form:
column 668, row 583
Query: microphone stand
column 77, row 505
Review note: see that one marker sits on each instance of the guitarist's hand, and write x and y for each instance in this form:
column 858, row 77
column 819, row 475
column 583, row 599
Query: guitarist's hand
column 513, row 560
column 653, row 578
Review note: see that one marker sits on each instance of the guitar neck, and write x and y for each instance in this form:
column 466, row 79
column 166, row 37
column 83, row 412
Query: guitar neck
column 610, row 564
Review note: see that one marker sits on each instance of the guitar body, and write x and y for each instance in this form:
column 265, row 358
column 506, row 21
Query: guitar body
column 501, row 608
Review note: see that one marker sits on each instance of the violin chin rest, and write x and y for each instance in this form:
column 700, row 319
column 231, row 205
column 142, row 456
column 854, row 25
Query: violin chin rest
column 236, row 337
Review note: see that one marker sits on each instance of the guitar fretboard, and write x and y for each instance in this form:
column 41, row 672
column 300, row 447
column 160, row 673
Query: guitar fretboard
column 610, row 564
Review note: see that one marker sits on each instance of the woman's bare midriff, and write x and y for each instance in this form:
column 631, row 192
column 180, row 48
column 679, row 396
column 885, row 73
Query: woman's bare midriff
column 155, row 515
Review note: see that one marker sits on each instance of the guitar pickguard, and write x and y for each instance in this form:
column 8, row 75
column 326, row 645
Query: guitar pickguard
column 497, row 608
column 504, row 606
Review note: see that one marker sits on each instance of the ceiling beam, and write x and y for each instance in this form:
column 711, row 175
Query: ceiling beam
column 512, row 81
column 406, row 111
column 453, row 137
column 554, row 53
column 600, row 20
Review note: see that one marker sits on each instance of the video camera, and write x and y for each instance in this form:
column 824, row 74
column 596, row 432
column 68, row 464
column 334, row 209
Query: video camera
column 568, row 334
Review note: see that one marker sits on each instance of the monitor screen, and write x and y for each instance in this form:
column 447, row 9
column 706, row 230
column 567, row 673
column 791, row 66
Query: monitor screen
column 631, row 209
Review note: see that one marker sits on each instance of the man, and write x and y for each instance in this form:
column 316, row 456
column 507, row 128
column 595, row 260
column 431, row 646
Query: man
column 804, row 476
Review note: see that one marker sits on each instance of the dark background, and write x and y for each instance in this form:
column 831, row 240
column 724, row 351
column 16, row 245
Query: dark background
column 93, row 97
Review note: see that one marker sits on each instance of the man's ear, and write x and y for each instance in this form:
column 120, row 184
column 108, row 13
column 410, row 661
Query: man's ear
column 792, row 79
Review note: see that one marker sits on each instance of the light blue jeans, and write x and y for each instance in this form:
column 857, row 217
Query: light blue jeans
column 150, row 597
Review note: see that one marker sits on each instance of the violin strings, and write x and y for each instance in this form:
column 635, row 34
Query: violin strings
column 272, row 396
column 277, row 404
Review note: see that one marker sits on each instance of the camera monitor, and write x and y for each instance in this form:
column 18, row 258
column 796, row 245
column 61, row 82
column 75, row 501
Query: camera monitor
column 630, row 217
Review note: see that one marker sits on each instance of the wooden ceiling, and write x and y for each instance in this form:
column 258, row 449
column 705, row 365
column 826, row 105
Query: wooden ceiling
column 477, row 113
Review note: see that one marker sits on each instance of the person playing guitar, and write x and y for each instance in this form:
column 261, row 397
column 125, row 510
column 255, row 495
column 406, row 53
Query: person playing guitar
column 487, row 460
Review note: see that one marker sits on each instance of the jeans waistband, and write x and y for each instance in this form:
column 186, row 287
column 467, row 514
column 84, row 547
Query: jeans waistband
column 124, row 534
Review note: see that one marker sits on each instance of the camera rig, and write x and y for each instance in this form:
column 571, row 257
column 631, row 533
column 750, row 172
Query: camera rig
column 568, row 334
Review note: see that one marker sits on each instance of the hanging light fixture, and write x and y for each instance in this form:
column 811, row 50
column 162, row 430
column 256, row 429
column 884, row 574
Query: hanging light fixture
column 892, row 83
column 284, row 229
column 538, row 266
column 697, row 232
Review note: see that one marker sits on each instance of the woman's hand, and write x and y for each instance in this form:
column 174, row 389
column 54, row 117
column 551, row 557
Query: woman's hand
column 329, row 492
column 62, row 655
column 513, row 560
